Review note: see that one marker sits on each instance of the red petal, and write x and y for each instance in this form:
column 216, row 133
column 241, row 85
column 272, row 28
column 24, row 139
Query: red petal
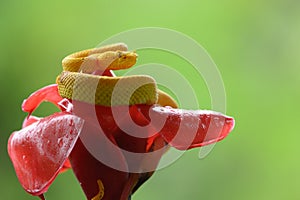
column 86, row 160
column 133, row 134
column 66, row 166
column 47, row 93
column 110, row 122
column 39, row 151
column 30, row 120
column 185, row 129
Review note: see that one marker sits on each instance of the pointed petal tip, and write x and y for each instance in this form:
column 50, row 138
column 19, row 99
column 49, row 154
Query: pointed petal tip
column 48, row 93
column 229, row 123
column 186, row 129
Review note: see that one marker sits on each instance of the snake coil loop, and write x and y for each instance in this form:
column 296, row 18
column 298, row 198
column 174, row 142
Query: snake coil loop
column 87, row 77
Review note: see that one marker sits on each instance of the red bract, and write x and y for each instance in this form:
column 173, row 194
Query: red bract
column 98, row 143
column 39, row 150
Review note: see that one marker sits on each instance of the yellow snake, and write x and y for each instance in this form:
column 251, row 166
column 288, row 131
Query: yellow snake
column 84, row 79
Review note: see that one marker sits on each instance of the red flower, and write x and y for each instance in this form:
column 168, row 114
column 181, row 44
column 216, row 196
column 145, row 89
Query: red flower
column 111, row 149
column 40, row 150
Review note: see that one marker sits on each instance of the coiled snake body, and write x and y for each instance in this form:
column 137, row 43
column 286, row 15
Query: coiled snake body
column 87, row 77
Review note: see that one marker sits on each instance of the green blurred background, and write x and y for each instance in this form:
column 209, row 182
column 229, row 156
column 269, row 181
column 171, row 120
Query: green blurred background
column 255, row 45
